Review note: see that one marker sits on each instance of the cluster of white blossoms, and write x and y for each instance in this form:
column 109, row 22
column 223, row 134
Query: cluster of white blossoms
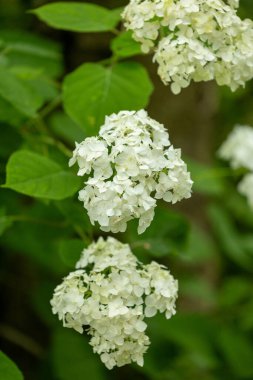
column 238, row 150
column 129, row 165
column 238, row 147
column 194, row 40
column 110, row 294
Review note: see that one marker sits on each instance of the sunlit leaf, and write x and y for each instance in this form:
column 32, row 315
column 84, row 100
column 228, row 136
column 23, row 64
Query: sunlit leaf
column 93, row 91
column 66, row 128
column 8, row 369
column 38, row 176
column 77, row 17
column 18, row 93
column 125, row 46
column 29, row 50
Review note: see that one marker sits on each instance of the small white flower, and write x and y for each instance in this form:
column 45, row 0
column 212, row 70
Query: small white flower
column 116, row 307
column 233, row 3
column 89, row 152
column 131, row 165
column 110, row 296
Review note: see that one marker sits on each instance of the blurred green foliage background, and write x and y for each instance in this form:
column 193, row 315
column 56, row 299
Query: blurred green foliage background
column 207, row 241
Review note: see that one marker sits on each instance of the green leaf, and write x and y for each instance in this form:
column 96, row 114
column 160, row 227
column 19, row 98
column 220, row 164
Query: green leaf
column 70, row 251
column 238, row 351
column 75, row 214
column 46, row 88
column 5, row 222
column 229, row 237
column 30, row 50
column 239, row 208
column 40, row 227
column 206, row 180
column 117, row 12
column 78, row 17
column 10, row 140
column 38, row 176
column 40, row 296
column 9, row 114
column 42, row 85
column 156, row 247
column 25, row 72
column 246, row 241
column 247, row 316
column 234, row 291
column 191, row 333
column 125, row 46
column 199, row 291
column 73, row 357
column 8, row 369
column 200, row 246
column 93, row 91
column 18, row 93
column 66, row 128
column 166, row 236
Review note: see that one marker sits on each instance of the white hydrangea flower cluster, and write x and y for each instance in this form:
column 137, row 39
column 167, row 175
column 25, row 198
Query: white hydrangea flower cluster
column 130, row 165
column 238, row 149
column 111, row 293
column 194, row 40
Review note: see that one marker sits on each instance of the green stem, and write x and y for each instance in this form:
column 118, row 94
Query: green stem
column 81, row 234
column 51, row 141
column 106, row 61
column 46, row 135
column 50, row 107
column 115, row 31
column 111, row 60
